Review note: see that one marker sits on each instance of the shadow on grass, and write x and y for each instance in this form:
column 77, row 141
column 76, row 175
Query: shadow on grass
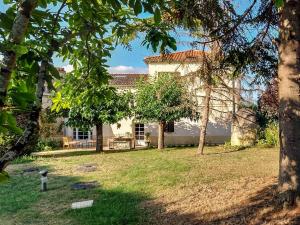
column 262, row 208
column 81, row 152
column 22, row 203
column 230, row 150
column 65, row 153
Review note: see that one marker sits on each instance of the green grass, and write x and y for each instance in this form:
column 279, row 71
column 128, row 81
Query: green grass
column 138, row 187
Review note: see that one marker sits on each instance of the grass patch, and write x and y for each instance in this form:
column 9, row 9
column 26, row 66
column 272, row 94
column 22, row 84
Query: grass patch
column 24, row 159
column 140, row 187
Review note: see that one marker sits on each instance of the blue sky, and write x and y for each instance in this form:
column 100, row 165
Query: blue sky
column 123, row 61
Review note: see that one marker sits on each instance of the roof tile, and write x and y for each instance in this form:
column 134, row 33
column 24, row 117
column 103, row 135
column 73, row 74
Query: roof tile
column 126, row 79
column 184, row 56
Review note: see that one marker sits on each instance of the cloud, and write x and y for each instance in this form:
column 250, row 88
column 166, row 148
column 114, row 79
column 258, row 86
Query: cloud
column 68, row 68
column 127, row 69
column 116, row 69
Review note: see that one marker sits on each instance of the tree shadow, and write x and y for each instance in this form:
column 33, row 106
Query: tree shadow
column 232, row 150
column 65, row 153
column 262, row 208
column 80, row 152
column 22, row 202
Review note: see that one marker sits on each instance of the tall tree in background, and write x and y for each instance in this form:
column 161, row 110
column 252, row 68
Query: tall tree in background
column 209, row 72
column 268, row 102
column 161, row 100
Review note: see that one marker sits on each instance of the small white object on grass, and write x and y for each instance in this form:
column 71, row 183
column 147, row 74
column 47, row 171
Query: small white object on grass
column 83, row 204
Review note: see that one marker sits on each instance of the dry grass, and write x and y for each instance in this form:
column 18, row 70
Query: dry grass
column 150, row 187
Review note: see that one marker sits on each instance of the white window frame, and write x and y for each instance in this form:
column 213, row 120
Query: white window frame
column 139, row 131
column 76, row 136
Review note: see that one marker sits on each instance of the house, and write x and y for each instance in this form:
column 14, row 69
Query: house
column 182, row 132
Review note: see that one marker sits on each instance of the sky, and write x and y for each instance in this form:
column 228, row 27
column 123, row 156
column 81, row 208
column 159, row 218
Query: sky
column 125, row 61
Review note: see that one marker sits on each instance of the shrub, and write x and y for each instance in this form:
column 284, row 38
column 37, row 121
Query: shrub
column 269, row 137
column 47, row 145
column 6, row 141
column 228, row 147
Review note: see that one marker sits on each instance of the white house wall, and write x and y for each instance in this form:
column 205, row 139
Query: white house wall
column 186, row 132
column 182, row 68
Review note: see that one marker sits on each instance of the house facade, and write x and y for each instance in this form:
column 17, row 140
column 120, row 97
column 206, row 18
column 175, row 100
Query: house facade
column 185, row 131
column 182, row 132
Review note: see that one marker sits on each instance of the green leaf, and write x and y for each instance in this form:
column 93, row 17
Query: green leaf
column 279, row 3
column 20, row 49
column 54, row 72
column 3, row 116
column 131, row 3
column 5, row 21
column 148, row 7
column 4, row 177
column 157, row 16
column 7, row 1
column 138, row 7
column 12, row 124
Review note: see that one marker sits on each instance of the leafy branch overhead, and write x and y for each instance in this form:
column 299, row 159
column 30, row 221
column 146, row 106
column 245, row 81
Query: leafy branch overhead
column 65, row 28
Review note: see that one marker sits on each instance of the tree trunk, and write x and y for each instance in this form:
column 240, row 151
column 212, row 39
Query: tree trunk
column 236, row 129
column 204, row 119
column 161, row 135
column 289, row 102
column 18, row 31
column 30, row 136
column 99, row 137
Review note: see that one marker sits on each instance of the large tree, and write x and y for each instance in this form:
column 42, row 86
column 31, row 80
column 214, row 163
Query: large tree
column 161, row 100
column 289, row 100
column 257, row 53
column 91, row 105
column 38, row 34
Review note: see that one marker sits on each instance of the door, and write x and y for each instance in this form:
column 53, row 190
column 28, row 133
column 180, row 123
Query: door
column 140, row 134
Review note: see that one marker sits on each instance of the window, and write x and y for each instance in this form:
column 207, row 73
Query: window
column 139, row 131
column 169, row 127
column 81, row 134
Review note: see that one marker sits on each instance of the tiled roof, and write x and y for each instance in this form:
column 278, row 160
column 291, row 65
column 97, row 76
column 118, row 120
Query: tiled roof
column 61, row 69
column 126, row 79
column 184, row 56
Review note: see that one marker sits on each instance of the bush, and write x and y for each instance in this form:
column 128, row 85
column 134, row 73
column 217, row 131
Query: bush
column 269, row 137
column 47, row 145
column 228, row 147
column 6, row 141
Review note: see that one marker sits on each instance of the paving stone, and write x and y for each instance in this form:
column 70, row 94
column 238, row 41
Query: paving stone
column 84, row 185
column 31, row 169
column 87, row 168
column 82, row 204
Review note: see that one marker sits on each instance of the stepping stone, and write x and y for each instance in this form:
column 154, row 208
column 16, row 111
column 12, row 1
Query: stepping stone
column 83, row 204
column 87, row 168
column 84, row 185
column 30, row 170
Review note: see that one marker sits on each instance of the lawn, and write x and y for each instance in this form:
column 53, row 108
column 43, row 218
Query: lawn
column 146, row 187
